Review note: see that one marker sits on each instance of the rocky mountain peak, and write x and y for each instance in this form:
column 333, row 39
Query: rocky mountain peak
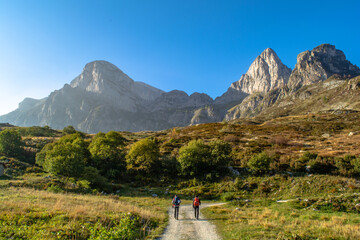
column 98, row 76
column 267, row 72
column 319, row 64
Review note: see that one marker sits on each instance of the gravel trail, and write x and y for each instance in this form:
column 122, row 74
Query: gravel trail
column 187, row 227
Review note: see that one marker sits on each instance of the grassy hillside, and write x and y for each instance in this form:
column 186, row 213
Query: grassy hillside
column 314, row 163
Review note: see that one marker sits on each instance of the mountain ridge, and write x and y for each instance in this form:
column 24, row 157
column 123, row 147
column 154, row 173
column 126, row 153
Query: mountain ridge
column 104, row 98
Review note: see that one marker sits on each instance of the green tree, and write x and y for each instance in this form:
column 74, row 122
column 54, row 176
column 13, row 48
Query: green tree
column 107, row 154
column 194, row 158
column 10, row 143
column 66, row 157
column 143, row 158
column 40, row 156
column 220, row 155
column 198, row 159
column 259, row 164
column 69, row 130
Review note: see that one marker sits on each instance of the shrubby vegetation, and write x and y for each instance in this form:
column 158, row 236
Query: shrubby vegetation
column 198, row 159
column 143, row 159
column 108, row 154
column 10, row 143
column 66, row 157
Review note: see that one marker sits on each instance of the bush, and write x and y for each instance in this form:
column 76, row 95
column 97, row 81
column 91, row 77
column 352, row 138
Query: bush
column 259, row 164
column 348, row 165
column 322, row 165
column 55, row 189
column 228, row 196
column 143, row 158
column 199, row 159
column 66, row 157
column 10, row 143
column 279, row 140
column 299, row 165
column 231, row 138
column 69, row 130
column 108, row 155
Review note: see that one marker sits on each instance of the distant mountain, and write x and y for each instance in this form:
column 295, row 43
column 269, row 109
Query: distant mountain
column 312, row 67
column 103, row 98
column 266, row 73
column 320, row 64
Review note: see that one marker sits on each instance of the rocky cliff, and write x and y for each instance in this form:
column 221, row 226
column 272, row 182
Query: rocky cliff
column 312, row 67
column 266, row 73
column 319, row 64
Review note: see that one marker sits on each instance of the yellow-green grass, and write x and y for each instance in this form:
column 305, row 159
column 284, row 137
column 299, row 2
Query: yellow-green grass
column 282, row 221
column 36, row 214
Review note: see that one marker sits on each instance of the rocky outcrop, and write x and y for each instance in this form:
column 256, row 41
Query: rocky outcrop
column 256, row 103
column 318, row 65
column 266, row 73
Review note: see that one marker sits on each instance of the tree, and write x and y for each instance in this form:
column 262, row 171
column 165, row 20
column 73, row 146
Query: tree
column 10, row 143
column 220, row 155
column 69, row 130
column 143, row 158
column 107, row 154
column 66, row 157
column 194, row 158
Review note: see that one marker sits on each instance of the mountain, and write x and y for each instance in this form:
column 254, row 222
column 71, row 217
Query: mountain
column 312, row 67
column 103, row 98
column 319, row 64
column 266, row 73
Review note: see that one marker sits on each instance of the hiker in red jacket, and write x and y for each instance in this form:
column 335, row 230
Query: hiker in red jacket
column 196, row 206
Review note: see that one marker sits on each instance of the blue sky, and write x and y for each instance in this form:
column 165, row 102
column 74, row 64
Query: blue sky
column 190, row 45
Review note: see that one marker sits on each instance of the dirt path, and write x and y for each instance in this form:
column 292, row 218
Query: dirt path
column 187, row 227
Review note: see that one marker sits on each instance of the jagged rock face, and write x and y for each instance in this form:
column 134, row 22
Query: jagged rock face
column 320, row 64
column 179, row 99
column 256, row 103
column 205, row 115
column 266, row 73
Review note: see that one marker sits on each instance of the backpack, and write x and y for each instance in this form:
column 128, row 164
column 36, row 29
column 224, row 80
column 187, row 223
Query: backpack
column 196, row 202
column 177, row 201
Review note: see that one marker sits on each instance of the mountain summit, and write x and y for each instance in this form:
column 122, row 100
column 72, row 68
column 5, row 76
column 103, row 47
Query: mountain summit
column 266, row 73
column 319, row 64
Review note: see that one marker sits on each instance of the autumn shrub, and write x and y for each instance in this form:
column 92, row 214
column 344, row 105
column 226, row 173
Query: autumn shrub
column 279, row 140
column 231, row 138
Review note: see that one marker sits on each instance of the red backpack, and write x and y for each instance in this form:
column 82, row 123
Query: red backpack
column 196, row 202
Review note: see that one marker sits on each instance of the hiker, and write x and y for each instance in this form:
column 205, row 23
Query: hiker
column 196, row 206
column 176, row 204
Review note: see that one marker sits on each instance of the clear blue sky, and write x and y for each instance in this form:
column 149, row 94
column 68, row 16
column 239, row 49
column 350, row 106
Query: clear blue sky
column 190, row 45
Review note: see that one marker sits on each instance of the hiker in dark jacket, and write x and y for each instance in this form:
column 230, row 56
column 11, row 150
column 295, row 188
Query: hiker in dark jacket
column 176, row 204
column 196, row 206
